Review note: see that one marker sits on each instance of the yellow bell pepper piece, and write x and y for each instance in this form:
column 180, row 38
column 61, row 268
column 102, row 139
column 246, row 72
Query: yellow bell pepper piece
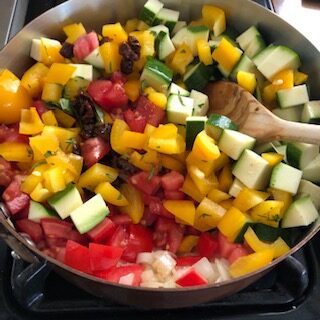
column 247, row 80
column 184, row 210
column 97, row 174
column 272, row 157
column 111, row 56
column 49, row 119
column 227, row 204
column 205, row 166
column 40, row 193
column 251, row 263
column 135, row 208
column 60, row 73
column 146, row 40
column 131, row 25
column 147, row 161
column 181, row 58
column 220, row 162
column 64, row 119
column 115, row 32
column 299, row 77
column 232, row 222
column 142, row 26
column 132, row 89
column 217, row 195
column 30, row 122
column 50, row 51
column 248, row 198
column 118, row 128
column 43, row 145
column 203, row 183
column 206, row 146
column 54, row 179
column 33, row 79
column 208, row 215
column 225, row 178
column 110, row 194
column 188, row 243
column 30, row 182
column 52, row 92
column 204, row 52
column 159, row 99
column 76, row 162
column 171, row 163
column 268, row 212
column 279, row 246
column 14, row 151
column 226, row 54
column 74, row 31
column 190, row 189
column 283, row 196
column 215, row 18
column 135, row 140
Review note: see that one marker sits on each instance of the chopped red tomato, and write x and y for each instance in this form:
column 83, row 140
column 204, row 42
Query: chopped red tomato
column 77, row 257
column 207, row 245
column 31, row 228
column 135, row 120
column 11, row 134
column 150, row 111
column 119, row 77
column 103, row 257
column 191, row 278
column 40, row 106
column 119, row 237
column 108, row 95
column 14, row 198
column 145, row 183
column 54, row 242
column 93, row 150
column 121, row 219
column 172, row 181
column 116, row 273
column 225, row 246
column 6, row 172
column 156, row 208
column 76, row 236
column 53, row 227
column 102, row 231
column 174, row 195
column 238, row 252
column 139, row 240
column 184, row 261
column 85, row 45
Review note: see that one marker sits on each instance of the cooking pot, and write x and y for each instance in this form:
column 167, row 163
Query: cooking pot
column 93, row 14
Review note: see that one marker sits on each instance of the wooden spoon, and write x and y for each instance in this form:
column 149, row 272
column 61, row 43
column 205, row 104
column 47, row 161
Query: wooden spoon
column 254, row 119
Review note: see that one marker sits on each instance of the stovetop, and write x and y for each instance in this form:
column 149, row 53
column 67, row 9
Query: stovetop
column 290, row 291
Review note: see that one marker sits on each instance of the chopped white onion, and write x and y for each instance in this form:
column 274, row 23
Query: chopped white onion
column 145, row 258
column 127, row 279
column 204, row 267
column 163, row 265
column 223, row 269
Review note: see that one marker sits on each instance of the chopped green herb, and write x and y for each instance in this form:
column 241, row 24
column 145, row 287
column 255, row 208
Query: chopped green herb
column 38, row 163
column 180, row 98
column 49, row 153
column 200, row 105
column 151, row 172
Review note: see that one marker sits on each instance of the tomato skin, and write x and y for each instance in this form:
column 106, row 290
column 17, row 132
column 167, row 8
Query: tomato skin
column 140, row 240
column 144, row 183
column 187, row 260
column 207, row 245
column 77, row 257
column 108, row 95
column 57, row 228
column 172, row 181
column 135, row 121
column 93, row 150
column 84, row 45
column 103, row 257
column 191, row 278
column 31, row 228
column 102, row 231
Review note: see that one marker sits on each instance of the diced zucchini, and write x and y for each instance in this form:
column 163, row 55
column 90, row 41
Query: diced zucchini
column 295, row 96
column 160, row 27
column 266, row 147
column 83, row 70
column 244, row 64
column 311, row 171
column 194, row 125
column 308, row 188
column 236, row 187
column 286, row 178
column 299, row 155
column 275, row 60
column 311, row 112
column 164, row 45
column 255, row 46
column 150, row 10
column 289, row 114
column 157, row 75
column 179, row 108
column 217, row 123
column 259, row 58
column 200, row 103
column 190, row 35
column 37, row 211
column 196, row 77
column 168, row 17
column 233, row 143
column 252, row 170
column 175, row 89
column 179, row 25
column 267, row 233
column 302, row 212
column 246, row 37
column 65, row 201
column 89, row 214
column 95, row 59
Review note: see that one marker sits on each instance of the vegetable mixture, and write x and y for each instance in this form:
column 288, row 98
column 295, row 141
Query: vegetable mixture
column 110, row 163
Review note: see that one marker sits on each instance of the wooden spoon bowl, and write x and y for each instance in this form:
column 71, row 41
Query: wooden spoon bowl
column 254, row 119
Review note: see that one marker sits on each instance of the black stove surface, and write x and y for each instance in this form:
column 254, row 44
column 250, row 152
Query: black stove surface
column 290, row 291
